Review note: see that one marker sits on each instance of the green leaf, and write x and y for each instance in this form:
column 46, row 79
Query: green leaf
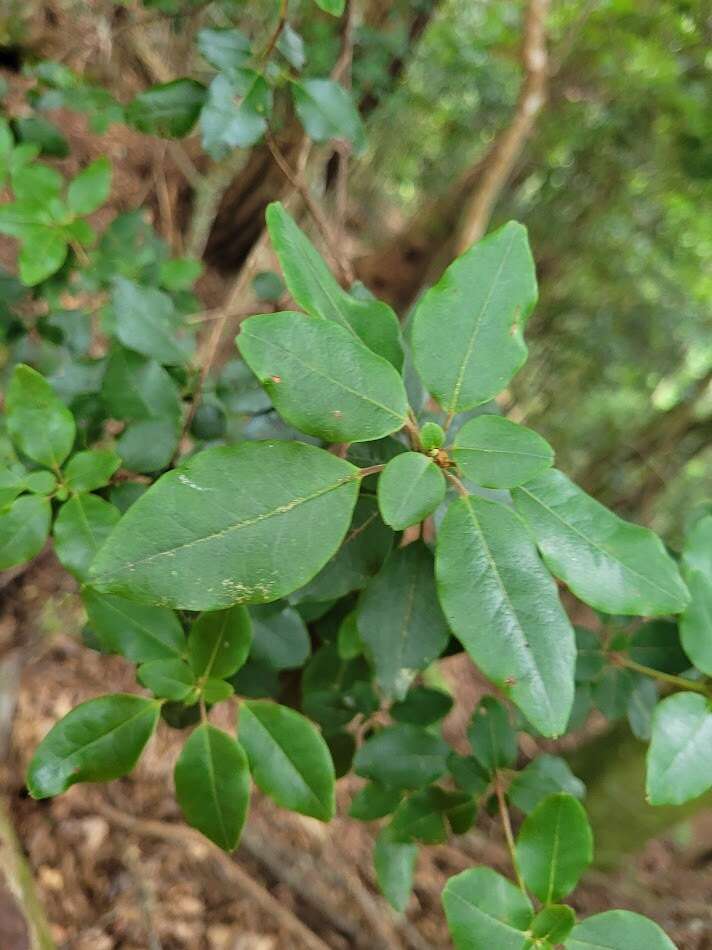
column 168, row 110
column 225, row 49
column 696, row 621
column 89, row 470
column 546, row 775
column 432, row 436
column 590, row 658
column 504, row 608
column 410, row 487
column 215, row 691
column 24, row 527
column 394, row 863
column 327, row 111
column 641, row 705
column 348, row 639
column 149, row 445
column 38, row 423
column 81, row 527
column 468, row 329
column 13, row 482
column 374, row 801
column 235, row 113
column 422, row 706
column 147, row 321
column 657, row 644
column 280, row 639
column 618, row 929
column 402, row 756
column 43, row 252
column 493, row 741
column 399, row 619
column 334, row 7
column 179, row 273
column 37, row 130
column 37, row 185
column 228, row 526
column 484, row 910
column 421, row 817
column 219, row 642
column 136, row 388
column 169, row 679
column 497, row 453
column 316, row 290
column 554, row 847
column 553, row 923
column 40, row 483
column 288, row 757
column 612, row 691
column 468, row 773
column 138, row 632
column 321, row 380
column 614, row 566
column 97, row 741
column 680, row 752
column 212, row 782
column 291, row 45
column 90, row 189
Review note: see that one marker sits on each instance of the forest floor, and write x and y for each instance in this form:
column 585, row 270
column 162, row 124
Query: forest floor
column 115, row 866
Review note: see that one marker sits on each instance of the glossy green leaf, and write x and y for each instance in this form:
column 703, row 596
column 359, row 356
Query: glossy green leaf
column 394, row 863
column 493, row 740
column 215, row 690
column 696, row 621
column 81, row 527
column 327, row 111
column 228, row 526
column 90, row 189
column 553, row 923
column 497, row 453
column 147, row 321
column 138, row 632
column 235, row 113
column 615, row 566
column 504, row 608
column 225, row 49
column 374, row 801
column 321, row 380
column 402, row 756
column 399, row 619
column 288, row 757
column 219, row 642
column 40, row 483
column 89, row 470
column 554, row 847
column 422, row 706
column 317, row 291
column 168, row 110
column 212, row 782
column 97, row 741
column 410, row 487
column 618, row 930
column 468, row 329
column 680, row 752
column 280, row 639
column 169, row 679
column 546, row 775
column 38, row 423
column 24, row 527
column 432, row 436
column 484, row 910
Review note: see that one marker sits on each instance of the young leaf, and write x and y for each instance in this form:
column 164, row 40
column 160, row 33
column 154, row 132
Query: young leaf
column 327, row 111
column 696, row 621
column 169, row 679
column 498, row 453
column 228, row 526
column 90, row 189
column 147, row 321
column 219, row 642
column 680, row 752
column 399, row 619
column 212, row 782
column 554, row 847
column 87, row 471
column 81, row 527
column 618, row 929
column 315, row 289
column 553, row 923
column 484, row 910
column 614, row 566
column 402, row 756
column 139, row 633
column 280, row 639
column 493, row 741
column 374, row 801
column 43, row 252
column 467, row 329
column 97, row 741
column 394, row 863
column 24, row 527
column 288, row 757
column 38, row 423
column 546, row 775
column 168, row 110
column 334, row 7
column 321, row 379
column 410, row 487
column 504, row 608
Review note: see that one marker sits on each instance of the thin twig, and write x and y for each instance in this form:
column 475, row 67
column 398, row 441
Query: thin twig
column 620, row 659
column 507, row 826
column 459, row 487
column 276, row 33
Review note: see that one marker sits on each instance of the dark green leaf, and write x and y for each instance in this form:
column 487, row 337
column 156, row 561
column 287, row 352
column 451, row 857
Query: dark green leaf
column 484, row 910
column 680, row 753
column 409, row 489
column 468, row 329
column 504, row 608
column 327, row 111
column 374, row 801
column 468, row 774
column 614, row 566
column 612, row 691
column 493, row 741
column 228, row 526
column 422, row 706
column 590, row 658
column 420, row 817
column 342, row 746
column 149, row 445
column 348, row 641
column 138, row 632
column 288, row 757
column 86, row 471
column 618, row 930
column 39, row 424
column 212, row 782
column 168, row 110
column 394, row 863
column 402, row 756
column 546, row 775
column 147, row 321
column 81, row 527
column 497, row 453
column 280, row 639
column 169, row 679
column 36, row 130
column 90, row 189
column 97, row 741
column 219, row 642
column 24, row 527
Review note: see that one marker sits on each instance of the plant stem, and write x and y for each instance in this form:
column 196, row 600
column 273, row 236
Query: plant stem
column 680, row 681
column 461, row 490
column 277, row 32
column 507, row 826
column 370, row 470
